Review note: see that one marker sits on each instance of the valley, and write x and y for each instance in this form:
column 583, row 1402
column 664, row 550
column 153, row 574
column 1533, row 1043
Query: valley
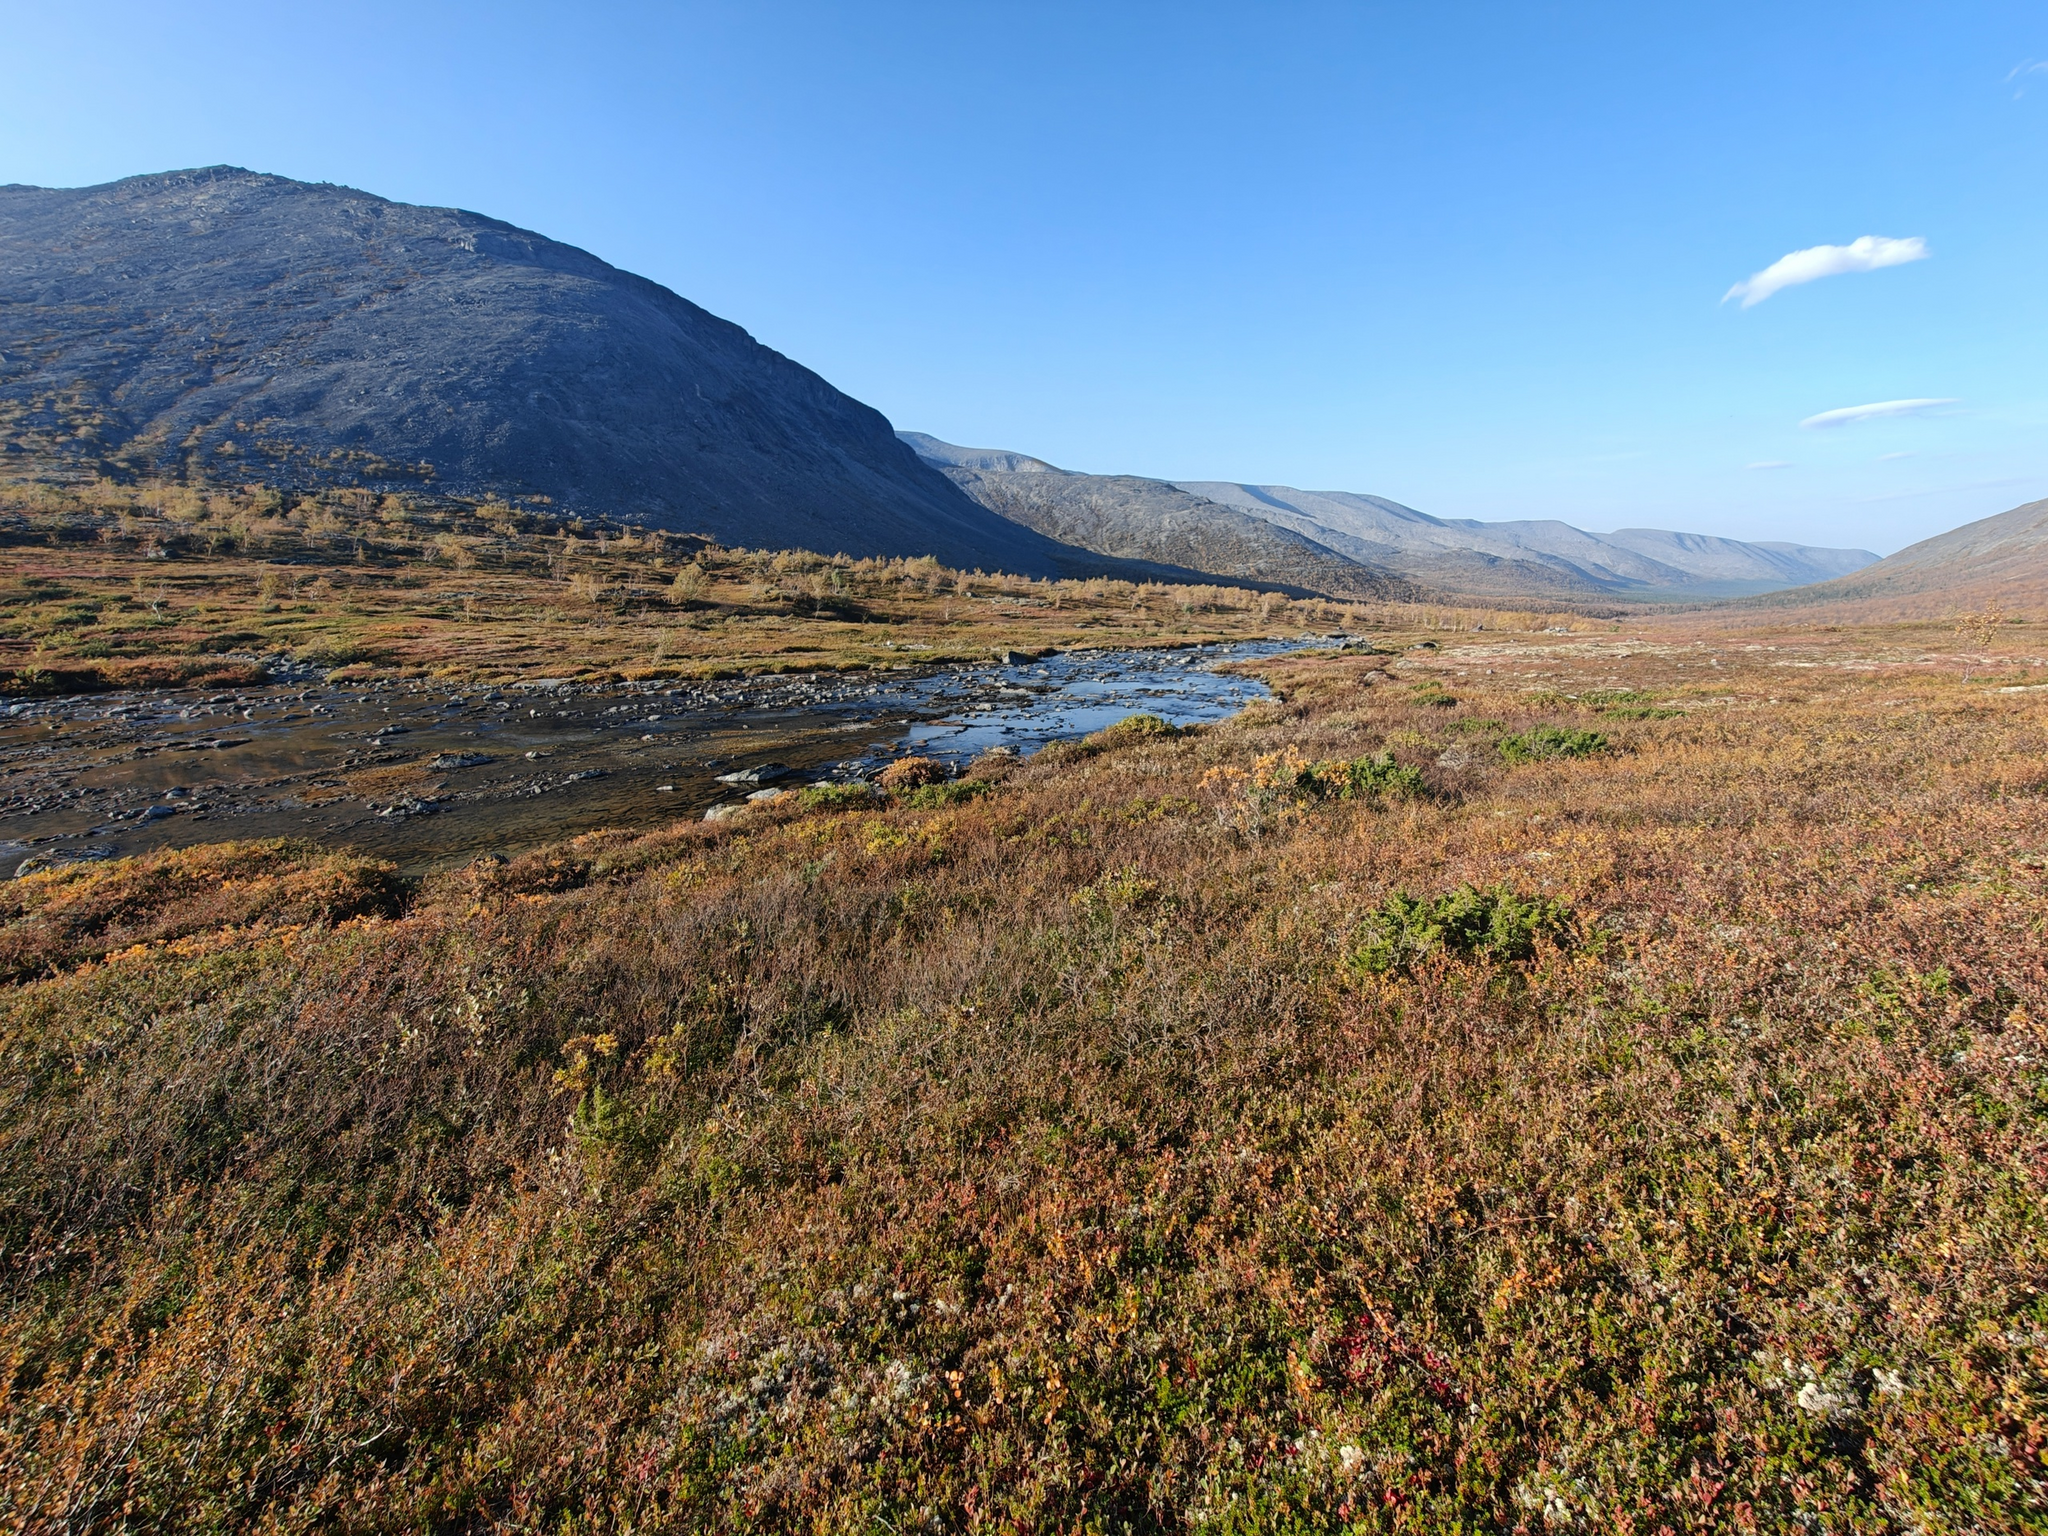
column 592, row 939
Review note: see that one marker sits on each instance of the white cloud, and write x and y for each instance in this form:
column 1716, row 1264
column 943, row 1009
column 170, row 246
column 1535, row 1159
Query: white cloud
column 1866, row 253
column 1850, row 413
column 2021, row 71
column 1770, row 464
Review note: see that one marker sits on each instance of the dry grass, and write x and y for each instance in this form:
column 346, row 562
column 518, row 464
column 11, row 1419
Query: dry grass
column 122, row 586
column 1045, row 1161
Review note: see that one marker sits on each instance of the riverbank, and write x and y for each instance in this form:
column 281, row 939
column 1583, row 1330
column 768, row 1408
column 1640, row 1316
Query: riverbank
column 423, row 776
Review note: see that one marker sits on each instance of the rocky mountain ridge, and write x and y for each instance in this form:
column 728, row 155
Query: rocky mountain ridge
column 219, row 323
column 1133, row 518
column 1387, row 544
column 1534, row 557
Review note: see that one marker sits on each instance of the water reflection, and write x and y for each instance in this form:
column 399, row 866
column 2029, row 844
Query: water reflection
column 427, row 776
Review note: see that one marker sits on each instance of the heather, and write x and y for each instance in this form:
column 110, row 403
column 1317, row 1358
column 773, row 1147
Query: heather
column 1056, row 1153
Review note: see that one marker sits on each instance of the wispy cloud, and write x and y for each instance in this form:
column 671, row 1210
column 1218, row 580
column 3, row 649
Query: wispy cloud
column 1852, row 413
column 1770, row 464
column 2021, row 71
column 1866, row 253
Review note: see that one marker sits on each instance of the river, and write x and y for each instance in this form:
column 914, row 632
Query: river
column 427, row 777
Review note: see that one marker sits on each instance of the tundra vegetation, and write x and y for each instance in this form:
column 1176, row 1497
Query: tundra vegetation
column 110, row 586
column 1329, row 1120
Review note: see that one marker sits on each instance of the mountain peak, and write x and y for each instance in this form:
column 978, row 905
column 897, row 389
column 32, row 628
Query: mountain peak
column 225, row 323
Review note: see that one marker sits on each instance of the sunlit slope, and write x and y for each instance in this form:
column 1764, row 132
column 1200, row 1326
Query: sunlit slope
column 1995, row 560
column 1529, row 558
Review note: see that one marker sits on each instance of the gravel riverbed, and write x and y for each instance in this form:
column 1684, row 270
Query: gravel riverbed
column 428, row 776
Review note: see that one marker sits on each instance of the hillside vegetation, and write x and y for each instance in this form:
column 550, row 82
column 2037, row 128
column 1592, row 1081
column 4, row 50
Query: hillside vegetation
column 1545, row 1083
column 113, row 585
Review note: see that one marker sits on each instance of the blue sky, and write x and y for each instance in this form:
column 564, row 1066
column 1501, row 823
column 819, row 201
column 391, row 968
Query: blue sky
column 1471, row 256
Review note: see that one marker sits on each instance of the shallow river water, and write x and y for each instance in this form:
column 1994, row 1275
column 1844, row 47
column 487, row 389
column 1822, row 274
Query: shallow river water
column 428, row 777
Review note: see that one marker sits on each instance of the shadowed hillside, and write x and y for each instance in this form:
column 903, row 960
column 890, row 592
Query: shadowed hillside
column 1132, row 518
column 230, row 326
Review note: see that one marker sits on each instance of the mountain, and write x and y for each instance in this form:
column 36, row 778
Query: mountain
column 1132, row 518
column 228, row 324
column 1343, row 543
column 1533, row 559
column 2001, row 560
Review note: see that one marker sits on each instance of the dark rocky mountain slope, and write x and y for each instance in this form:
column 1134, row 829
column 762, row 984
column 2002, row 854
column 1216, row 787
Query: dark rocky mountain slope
column 1132, row 518
column 248, row 327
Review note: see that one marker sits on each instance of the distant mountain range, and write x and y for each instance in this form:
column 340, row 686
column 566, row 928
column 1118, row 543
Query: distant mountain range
column 231, row 325
column 1139, row 519
column 1223, row 521
column 1536, row 556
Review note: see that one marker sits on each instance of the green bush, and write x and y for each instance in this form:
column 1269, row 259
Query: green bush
column 955, row 792
column 1627, row 704
column 1493, row 924
column 1131, row 728
column 1600, row 698
column 836, row 797
column 1548, row 741
column 1362, row 778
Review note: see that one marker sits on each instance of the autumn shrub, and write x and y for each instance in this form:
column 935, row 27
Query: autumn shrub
column 1360, row 778
column 1287, row 779
column 1038, row 1161
column 1542, row 742
column 58, row 917
column 1132, row 728
column 912, row 773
